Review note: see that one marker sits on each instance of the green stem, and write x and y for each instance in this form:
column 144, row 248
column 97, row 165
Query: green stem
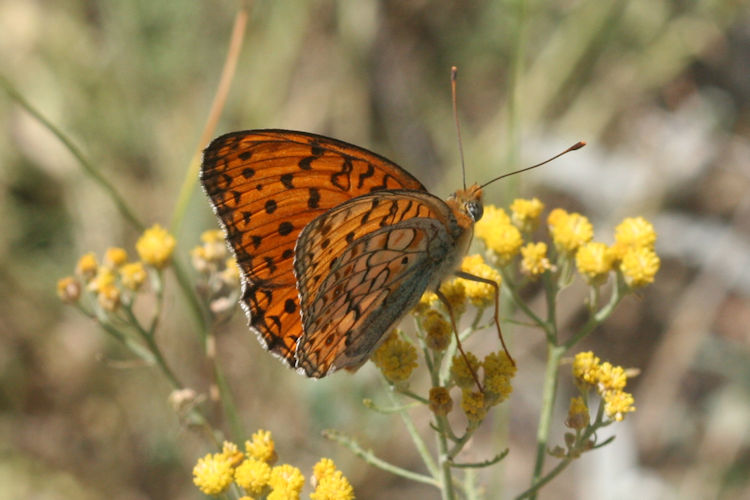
column 554, row 353
column 419, row 443
column 601, row 315
column 369, row 457
column 88, row 167
column 532, row 491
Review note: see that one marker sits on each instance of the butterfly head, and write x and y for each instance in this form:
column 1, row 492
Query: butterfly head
column 467, row 204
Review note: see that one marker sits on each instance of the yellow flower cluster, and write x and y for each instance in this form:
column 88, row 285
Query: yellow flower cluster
column 155, row 246
column 498, row 372
column 480, row 294
column 396, row 358
column 525, row 213
column 535, row 261
column 608, row 380
column 569, row 230
column 502, row 239
column 109, row 283
column 211, row 257
column 255, row 473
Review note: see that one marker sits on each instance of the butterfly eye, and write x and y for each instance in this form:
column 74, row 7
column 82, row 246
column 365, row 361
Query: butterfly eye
column 475, row 210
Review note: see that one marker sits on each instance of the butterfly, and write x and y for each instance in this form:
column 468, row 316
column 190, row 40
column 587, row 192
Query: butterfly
column 335, row 243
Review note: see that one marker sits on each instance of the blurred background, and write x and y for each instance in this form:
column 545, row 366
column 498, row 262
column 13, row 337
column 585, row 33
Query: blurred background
column 660, row 90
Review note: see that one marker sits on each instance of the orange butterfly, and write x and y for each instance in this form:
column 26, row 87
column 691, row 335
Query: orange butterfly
column 335, row 243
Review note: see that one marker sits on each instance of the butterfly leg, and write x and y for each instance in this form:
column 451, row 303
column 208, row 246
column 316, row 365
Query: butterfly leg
column 448, row 307
column 471, row 277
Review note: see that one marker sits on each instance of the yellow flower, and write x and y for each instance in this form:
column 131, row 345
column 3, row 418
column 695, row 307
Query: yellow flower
column 133, row 275
column 525, row 213
column 492, row 218
column 595, row 260
column 212, row 236
column 213, row 245
column 155, row 246
column 534, row 260
column 426, row 302
column 286, row 481
column 68, row 289
column 213, row 474
column 199, row 259
column 578, row 414
column 396, row 358
column 472, row 403
column 438, row 330
column 231, row 273
column 569, row 230
column 639, row 266
column 253, row 475
column 498, row 371
column 498, row 363
column 586, row 367
column 104, row 277
column 611, row 377
column 87, row 266
column 617, row 404
column 501, row 237
column 108, row 297
column 232, row 453
column 480, row 294
column 114, row 257
column 455, row 292
column 330, row 484
column 261, row 447
column 441, row 403
column 632, row 233
column 324, row 467
column 461, row 373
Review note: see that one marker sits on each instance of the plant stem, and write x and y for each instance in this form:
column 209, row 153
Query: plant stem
column 554, row 353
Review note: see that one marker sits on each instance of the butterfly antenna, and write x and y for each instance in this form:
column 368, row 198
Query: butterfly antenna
column 454, row 75
column 577, row 145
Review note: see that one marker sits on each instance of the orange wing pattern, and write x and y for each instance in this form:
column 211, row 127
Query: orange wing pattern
column 265, row 187
column 356, row 281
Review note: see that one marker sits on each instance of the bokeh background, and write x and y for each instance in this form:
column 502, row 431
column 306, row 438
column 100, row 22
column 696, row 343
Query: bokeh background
column 660, row 89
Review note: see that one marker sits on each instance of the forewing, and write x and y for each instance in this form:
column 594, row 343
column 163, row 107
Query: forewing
column 265, row 186
column 357, row 279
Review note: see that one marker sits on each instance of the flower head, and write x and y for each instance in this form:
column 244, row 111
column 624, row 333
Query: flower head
column 595, row 260
column 114, row 257
column 440, row 401
column 498, row 372
column 261, row 447
column 639, row 266
column 213, row 474
column 286, row 481
column 481, row 294
column 617, row 404
column 632, row 233
column 133, row 275
column 396, row 358
column 473, row 405
column 463, row 374
column 155, row 246
column 569, row 230
column 578, row 414
column 253, row 476
column 455, row 292
column 525, row 213
column 534, row 261
column 87, row 266
column 500, row 236
column 586, row 367
column 108, row 297
column 330, row 483
column 68, row 289
column 438, row 330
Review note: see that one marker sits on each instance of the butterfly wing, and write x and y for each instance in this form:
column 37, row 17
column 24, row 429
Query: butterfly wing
column 357, row 281
column 265, row 186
